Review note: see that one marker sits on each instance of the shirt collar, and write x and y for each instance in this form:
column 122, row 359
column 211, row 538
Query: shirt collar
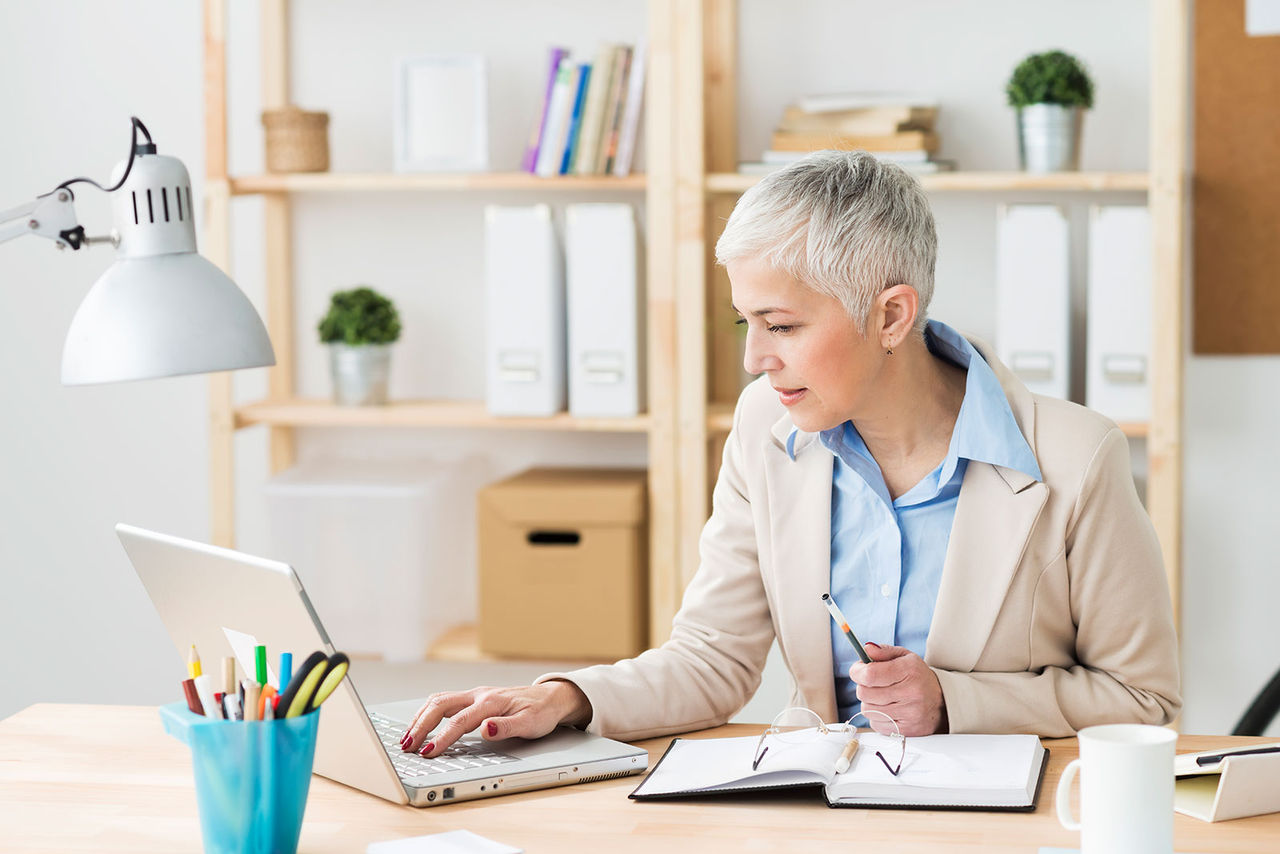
column 985, row 429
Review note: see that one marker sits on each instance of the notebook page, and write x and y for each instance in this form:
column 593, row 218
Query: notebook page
column 964, row 765
column 708, row 763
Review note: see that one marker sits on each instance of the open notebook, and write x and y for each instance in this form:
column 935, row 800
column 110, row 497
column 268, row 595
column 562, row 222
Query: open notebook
column 987, row 772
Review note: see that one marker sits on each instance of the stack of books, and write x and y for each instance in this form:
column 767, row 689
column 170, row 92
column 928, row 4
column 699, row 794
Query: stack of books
column 590, row 114
column 892, row 126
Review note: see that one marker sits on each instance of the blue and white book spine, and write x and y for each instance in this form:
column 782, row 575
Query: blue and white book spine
column 575, row 119
column 1118, row 352
column 525, row 312
column 606, row 354
column 556, row 130
column 1033, row 296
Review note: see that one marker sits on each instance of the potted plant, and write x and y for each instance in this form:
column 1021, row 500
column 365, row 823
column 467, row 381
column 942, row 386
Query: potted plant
column 1050, row 91
column 360, row 328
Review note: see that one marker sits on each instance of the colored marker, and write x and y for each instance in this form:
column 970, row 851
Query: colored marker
column 193, row 663
column 265, row 700
column 844, row 627
column 286, row 670
column 260, row 663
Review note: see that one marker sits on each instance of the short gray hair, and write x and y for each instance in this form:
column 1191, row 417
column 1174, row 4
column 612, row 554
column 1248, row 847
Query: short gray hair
column 843, row 223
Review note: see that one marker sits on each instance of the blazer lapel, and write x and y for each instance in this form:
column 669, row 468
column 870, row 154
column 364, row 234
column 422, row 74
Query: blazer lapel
column 800, row 532
column 994, row 519
column 995, row 514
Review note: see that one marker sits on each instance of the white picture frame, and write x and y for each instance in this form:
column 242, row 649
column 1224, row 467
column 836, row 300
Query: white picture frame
column 441, row 114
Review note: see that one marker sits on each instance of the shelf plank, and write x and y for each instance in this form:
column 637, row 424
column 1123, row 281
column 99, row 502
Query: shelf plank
column 421, row 413
column 337, row 182
column 982, row 182
column 720, row 420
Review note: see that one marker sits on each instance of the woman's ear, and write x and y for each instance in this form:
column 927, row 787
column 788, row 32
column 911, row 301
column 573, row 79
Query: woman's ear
column 898, row 306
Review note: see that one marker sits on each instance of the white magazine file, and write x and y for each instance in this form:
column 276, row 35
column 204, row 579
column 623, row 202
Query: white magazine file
column 606, row 361
column 1033, row 296
column 1118, row 378
column 525, row 308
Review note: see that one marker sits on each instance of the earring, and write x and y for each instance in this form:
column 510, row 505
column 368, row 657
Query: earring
column 889, row 352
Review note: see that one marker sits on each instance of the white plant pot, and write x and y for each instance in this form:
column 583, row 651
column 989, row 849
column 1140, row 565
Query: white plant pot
column 360, row 373
column 1049, row 138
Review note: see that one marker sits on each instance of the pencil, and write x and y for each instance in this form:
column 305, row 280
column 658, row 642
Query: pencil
column 229, row 675
column 844, row 626
column 193, row 663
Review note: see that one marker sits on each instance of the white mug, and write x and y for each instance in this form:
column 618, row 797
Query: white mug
column 1126, row 790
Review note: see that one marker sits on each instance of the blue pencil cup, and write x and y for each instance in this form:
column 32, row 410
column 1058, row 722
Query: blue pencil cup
column 251, row 778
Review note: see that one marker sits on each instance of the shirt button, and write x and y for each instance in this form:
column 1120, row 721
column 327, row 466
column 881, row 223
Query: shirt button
column 885, row 590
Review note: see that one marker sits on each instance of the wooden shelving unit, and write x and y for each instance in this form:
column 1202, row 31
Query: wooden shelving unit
column 689, row 187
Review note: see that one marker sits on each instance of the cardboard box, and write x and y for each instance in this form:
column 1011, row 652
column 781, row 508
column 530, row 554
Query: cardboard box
column 563, row 562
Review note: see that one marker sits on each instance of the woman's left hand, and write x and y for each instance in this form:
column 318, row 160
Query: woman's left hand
column 898, row 683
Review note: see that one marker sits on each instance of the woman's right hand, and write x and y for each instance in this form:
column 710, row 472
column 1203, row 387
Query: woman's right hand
column 527, row 711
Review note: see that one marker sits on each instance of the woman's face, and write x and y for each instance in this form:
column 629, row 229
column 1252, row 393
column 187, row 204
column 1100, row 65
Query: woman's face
column 805, row 342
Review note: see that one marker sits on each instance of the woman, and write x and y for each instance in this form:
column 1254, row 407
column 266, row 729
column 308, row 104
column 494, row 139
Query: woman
column 987, row 544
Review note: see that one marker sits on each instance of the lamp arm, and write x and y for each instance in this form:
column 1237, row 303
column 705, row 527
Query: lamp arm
column 52, row 215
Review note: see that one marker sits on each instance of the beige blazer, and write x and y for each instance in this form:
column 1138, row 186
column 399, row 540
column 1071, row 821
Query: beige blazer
column 1053, row 611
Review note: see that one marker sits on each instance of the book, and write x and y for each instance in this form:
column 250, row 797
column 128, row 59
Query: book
column 551, row 149
column 631, row 116
column 575, row 118
column 981, row 772
column 868, row 121
column 530, row 162
column 912, row 139
column 584, row 159
column 830, row 103
column 613, row 110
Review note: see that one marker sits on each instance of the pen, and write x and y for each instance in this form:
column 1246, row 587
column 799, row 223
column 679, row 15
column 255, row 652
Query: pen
column 844, row 626
column 842, row 764
column 260, row 663
column 193, row 663
column 1218, row 757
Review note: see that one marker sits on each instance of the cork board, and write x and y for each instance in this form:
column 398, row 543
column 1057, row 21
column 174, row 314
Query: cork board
column 1236, row 190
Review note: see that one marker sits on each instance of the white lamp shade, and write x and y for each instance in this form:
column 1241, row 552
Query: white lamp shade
column 163, row 316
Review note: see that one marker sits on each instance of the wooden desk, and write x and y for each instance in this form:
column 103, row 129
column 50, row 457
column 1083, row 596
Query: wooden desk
column 107, row 778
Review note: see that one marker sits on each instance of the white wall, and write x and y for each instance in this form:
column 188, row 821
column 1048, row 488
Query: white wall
column 73, row 618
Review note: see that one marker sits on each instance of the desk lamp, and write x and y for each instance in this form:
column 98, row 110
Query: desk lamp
column 160, row 310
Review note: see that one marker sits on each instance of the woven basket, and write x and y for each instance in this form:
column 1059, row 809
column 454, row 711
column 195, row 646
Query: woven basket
column 297, row 140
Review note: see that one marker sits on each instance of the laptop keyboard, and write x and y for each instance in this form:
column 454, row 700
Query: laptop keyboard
column 463, row 754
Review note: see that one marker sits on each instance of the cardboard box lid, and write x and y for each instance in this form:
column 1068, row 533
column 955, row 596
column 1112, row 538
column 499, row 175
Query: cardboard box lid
column 552, row 497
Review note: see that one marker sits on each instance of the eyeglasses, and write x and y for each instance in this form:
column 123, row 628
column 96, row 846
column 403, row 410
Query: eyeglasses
column 797, row 725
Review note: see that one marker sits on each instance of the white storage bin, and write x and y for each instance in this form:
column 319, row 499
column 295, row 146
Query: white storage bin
column 385, row 550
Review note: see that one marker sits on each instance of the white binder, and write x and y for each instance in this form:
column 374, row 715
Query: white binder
column 1033, row 296
column 1118, row 382
column 524, row 295
column 606, row 365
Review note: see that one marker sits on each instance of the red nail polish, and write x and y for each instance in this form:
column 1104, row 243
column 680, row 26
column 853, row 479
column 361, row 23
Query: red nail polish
column 492, row 729
column 426, row 748
column 408, row 740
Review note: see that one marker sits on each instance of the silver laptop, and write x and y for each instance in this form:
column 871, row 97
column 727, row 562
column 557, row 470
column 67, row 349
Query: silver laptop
column 226, row 602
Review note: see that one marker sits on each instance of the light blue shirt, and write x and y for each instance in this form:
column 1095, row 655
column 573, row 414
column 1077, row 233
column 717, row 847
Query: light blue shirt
column 886, row 554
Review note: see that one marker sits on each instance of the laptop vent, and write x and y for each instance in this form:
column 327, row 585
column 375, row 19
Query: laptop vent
column 605, row 776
